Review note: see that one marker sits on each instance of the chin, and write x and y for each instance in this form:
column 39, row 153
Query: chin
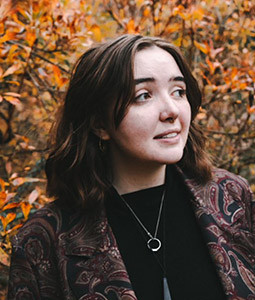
column 173, row 158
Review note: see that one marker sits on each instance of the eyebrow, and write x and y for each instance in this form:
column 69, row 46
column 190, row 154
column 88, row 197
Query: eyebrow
column 151, row 79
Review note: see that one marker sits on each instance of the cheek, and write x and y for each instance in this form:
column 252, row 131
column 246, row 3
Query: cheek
column 186, row 114
column 137, row 124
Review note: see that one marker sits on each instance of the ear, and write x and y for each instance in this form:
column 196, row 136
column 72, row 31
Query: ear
column 99, row 130
column 102, row 133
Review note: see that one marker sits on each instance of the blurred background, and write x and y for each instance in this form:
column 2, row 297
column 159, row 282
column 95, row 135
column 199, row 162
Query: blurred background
column 41, row 39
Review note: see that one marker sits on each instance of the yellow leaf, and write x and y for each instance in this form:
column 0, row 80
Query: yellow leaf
column 96, row 32
column 4, row 258
column 198, row 14
column 178, row 41
column 202, row 47
column 178, row 9
column 12, row 69
column 14, row 101
column 26, row 207
column 12, row 94
column 185, row 16
column 12, row 51
column 174, row 27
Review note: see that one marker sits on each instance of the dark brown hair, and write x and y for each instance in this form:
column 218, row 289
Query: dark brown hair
column 102, row 79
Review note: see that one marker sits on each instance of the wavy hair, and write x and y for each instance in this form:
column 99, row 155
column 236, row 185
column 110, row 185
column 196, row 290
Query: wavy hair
column 102, row 80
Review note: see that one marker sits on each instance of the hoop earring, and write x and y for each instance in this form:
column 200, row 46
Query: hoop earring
column 101, row 145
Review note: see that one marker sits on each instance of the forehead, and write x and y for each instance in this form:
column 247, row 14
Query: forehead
column 154, row 62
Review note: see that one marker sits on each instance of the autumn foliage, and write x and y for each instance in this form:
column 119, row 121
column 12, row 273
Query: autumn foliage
column 41, row 39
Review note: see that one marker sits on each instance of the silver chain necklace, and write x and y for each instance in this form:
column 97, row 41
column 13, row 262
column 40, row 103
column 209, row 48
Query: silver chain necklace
column 154, row 244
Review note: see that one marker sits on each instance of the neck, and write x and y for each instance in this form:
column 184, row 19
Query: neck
column 131, row 178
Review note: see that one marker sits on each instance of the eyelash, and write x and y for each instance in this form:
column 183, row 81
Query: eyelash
column 182, row 93
column 139, row 96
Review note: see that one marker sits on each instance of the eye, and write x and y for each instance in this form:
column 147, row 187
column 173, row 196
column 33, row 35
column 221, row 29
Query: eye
column 180, row 93
column 142, row 97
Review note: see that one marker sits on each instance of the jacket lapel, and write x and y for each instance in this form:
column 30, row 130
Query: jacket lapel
column 225, row 222
column 94, row 268
column 93, row 265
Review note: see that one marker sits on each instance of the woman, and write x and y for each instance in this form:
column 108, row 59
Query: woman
column 139, row 212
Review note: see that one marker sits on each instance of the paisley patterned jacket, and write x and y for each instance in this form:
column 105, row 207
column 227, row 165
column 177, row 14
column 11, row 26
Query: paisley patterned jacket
column 55, row 256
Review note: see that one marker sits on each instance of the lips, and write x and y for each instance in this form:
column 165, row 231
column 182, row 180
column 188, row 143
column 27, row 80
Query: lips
column 167, row 134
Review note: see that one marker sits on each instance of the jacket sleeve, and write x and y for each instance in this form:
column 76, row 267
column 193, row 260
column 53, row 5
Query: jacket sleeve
column 33, row 270
column 253, row 215
column 249, row 199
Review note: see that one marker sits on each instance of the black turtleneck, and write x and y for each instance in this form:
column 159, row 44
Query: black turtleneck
column 183, row 255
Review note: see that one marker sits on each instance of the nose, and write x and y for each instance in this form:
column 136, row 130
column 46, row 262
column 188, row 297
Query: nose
column 169, row 111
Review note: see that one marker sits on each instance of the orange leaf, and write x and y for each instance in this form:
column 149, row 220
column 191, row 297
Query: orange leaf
column 242, row 85
column 3, row 196
column 2, row 184
column 11, row 205
column 8, row 219
column 146, row 12
column 211, row 65
column 8, row 36
column 14, row 228
column 30, row 38
column 25, row 207
column 56, row 71
column 131, row 26
column 251, row 109
column 234, row 73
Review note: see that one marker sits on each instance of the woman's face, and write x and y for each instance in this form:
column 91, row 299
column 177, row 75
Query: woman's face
column 155, row 127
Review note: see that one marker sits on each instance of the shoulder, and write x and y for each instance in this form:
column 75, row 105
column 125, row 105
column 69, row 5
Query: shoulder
column 43, row 227
column 221, row 175
column 232, row 184
column 226, row 193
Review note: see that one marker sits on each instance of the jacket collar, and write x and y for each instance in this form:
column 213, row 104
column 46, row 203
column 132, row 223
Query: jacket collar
column 84, row 240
